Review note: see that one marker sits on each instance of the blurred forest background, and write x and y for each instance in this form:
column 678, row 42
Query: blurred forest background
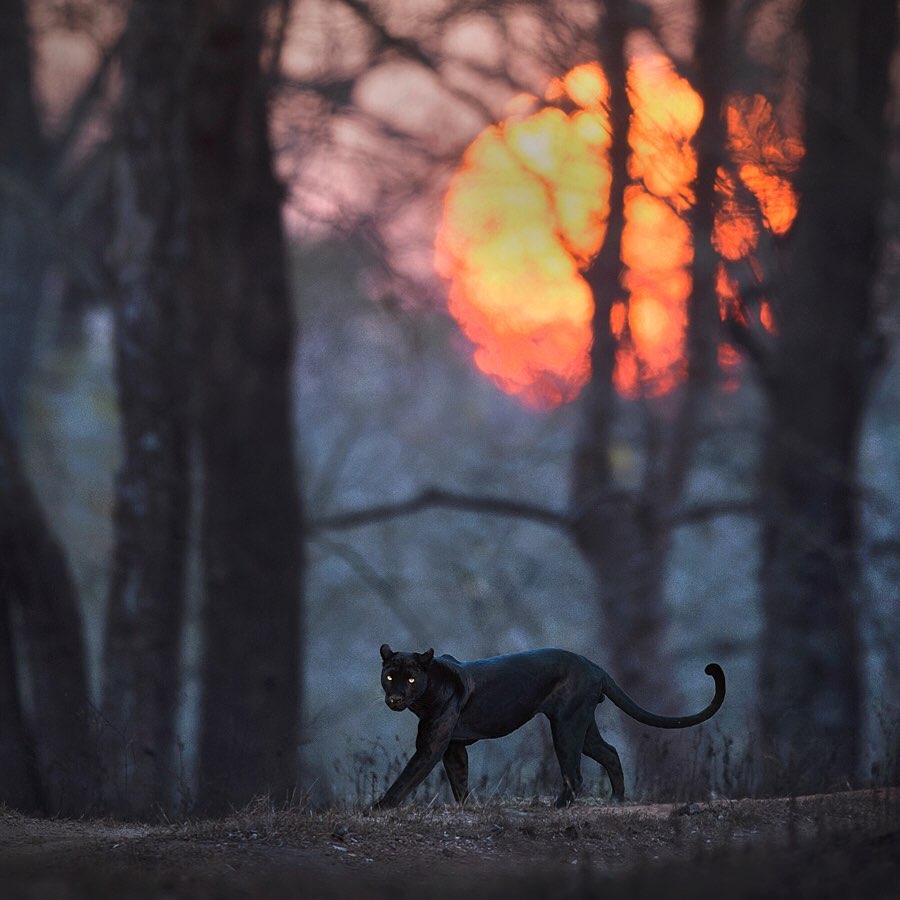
column 253, row 425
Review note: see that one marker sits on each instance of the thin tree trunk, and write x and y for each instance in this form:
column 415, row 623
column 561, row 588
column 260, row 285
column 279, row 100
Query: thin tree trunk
column 147, row 589
column 19, row 784
column 819, row 376
column 621, row 529
column 18, row 296
column 251, row 515
column 21, row 254
column 35, row 579
column 615, row 528
column 703, row 329
column 703, row 311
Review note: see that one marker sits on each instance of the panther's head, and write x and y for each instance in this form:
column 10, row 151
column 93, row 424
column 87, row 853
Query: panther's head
column 404, row 676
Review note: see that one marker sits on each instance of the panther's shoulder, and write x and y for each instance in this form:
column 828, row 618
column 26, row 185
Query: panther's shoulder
column 454, row 672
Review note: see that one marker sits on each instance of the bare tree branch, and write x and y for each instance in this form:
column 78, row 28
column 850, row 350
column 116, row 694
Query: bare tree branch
column 438, row 498
column 704, row 512
column 383, row 587
column 84, row 106
column 749, row 342
column 64, row 242
column 275, row 46
column 431, row 498
column 412, row 50
column 386, row 39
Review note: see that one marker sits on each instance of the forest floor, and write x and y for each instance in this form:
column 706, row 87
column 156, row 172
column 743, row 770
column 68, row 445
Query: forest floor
column 840, row 845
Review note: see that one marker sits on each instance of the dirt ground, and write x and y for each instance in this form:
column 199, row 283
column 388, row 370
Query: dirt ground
column 836, row 845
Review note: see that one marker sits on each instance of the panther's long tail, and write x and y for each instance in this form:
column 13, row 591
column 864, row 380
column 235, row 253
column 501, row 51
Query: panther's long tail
column 629, row 707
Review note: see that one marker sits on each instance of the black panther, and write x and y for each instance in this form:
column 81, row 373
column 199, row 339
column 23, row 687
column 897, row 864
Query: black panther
column 459, row 703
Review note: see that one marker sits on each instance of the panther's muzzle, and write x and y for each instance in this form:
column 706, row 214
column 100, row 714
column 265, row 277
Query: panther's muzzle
column 395, row 702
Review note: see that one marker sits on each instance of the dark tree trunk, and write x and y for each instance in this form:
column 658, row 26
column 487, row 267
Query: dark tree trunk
column 18, row 295
column 615, row 527
column 35, row 581
column 624, row 531
column 252, row 526
column 818, row 377
column 147, row 589
column 703, row 311
column 21, row 255
column 703, row 329
column 19, row 784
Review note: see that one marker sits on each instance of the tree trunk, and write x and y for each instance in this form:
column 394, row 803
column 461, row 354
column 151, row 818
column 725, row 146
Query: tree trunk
column 35, row 579
column 252, row 525
column 21, row 256
column 703, row 327
column 623, row 530
column 704, row 330
column 18, row 296
column 19, row 784
column 147, row 586
column 818, row 377
column 615, row 527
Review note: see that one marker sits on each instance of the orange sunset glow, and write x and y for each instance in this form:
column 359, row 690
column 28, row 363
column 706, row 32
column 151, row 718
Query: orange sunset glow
column 526, row 212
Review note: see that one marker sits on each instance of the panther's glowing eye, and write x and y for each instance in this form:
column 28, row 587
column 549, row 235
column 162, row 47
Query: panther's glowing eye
column 389, row 677
column 412, row 680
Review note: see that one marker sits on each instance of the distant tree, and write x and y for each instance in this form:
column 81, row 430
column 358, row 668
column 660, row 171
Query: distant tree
column 22, row 171
column 46, row 744
column 251, row 515
column 818, row 373
column 152, row 314
column 19, row 783
column 614, row 527
column 625, row 531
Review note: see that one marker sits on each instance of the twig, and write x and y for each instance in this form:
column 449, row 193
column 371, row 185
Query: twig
column 413, row 51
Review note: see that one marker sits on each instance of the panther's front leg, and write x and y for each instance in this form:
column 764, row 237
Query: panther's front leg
column 409, row 779
column 432, row 741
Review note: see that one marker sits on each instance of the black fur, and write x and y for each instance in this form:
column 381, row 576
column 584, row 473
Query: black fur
column 459, row 703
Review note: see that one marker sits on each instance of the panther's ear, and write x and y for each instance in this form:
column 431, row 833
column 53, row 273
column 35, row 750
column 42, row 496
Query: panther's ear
column 386, row 652
column 425, row 658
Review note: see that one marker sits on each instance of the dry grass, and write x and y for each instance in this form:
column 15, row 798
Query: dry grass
column 824, row 846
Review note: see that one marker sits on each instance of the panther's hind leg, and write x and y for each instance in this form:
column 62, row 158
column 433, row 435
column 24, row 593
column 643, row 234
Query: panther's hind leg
column 605, row 754
column 456, row 765
column 568, row 740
